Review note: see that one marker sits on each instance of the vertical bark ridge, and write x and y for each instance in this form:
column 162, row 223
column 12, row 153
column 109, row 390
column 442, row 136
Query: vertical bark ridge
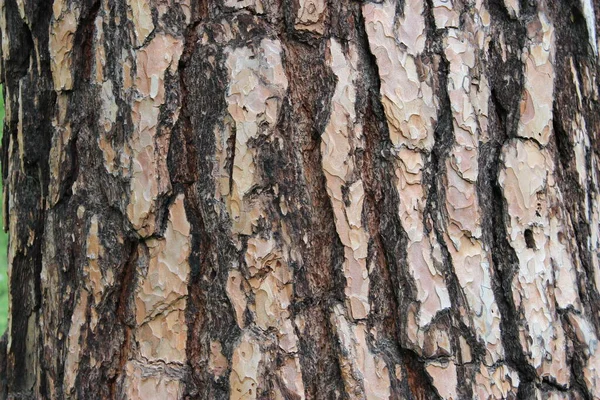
column 379, row 367
column 265, row 362
column 478, row 353
column 418, row 382
column 574, row 138
column 320, row 280
column 388, row 280
column 533, row 125
column 506, row 84
column 212, row 332
column 405, row 155
column 461, row 345
column 574, row 158
column 412, row 137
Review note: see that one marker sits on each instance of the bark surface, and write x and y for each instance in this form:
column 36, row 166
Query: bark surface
column 301, row 199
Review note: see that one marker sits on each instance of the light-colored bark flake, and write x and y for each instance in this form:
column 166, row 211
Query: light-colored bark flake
column 263, row 290
column 365, row 374
column 109, row 106
column 140, row 14
column 94, row 279
column 236, row 292
column 109, row 154
column 257, row 87
column 99, row 53
column 466, row 356
column 217, row 363
column 513, row 7
column 78, row 321
column 497, row 382
column 445, row 13
column 538, row 93
column 147, row 152
column 590, row 21
column 444, row 379
column 422, row 249
column 342, row 137
column 581, row 148
column 21, row 8
column 164, row 337
column 162, row 291
column 594, row 240
column 61, row 139
column 406, row 91
column 437, row 343
column 255, row 5
column 586, row 336
column 562, row 251
column 469, row 95
column 311, row 15
column 62, row 34
column 528, row 186
column 291, row 377
column 127, row 77
column 271, row 282
column 244, row 376
column 411, row 110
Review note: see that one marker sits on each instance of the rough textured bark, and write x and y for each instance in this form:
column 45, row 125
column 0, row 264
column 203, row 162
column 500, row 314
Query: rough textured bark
column 301, row 199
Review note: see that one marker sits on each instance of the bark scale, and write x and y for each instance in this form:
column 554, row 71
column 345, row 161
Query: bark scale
column 301, row 199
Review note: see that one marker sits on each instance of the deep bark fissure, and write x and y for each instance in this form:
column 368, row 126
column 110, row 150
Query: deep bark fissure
column 83, row 41
column 123, row 313
column 314, row 294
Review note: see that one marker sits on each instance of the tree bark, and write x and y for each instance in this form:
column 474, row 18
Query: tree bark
column 301, row 199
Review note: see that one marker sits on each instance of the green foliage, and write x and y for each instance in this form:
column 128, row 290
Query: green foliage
column 3, row 248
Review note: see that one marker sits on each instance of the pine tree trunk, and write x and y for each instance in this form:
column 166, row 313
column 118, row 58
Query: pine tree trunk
column 301, row 199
